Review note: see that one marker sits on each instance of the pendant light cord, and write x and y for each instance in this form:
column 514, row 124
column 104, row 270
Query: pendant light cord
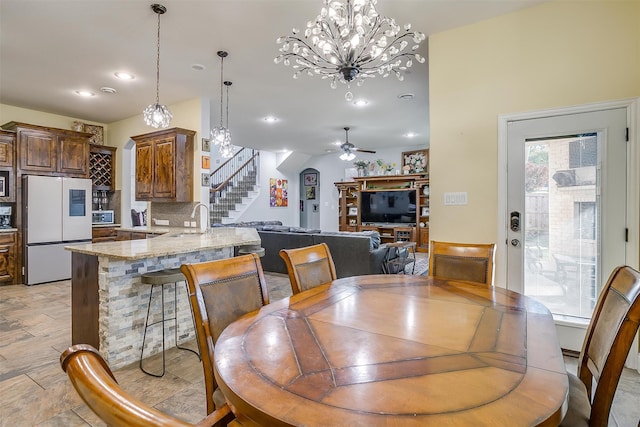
column 221, row 79
column 158, row 65
column 228, row 106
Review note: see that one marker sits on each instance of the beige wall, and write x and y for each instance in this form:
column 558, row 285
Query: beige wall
column 186, row 115
column 9, row 113
column 557, row 54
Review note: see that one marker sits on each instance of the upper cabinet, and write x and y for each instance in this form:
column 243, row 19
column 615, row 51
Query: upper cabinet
column 7, row 167
column 51, row 151
column 164, row 165
column 102, row 167
column 7, row 141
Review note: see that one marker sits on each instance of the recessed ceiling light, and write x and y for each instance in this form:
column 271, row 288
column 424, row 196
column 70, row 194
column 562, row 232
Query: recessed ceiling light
column 107, row 89
column 85, row 93
column 270, row 119
column 360, row 103
column 410, row 135
column 406, row 96
column 197, row 67
column 122, row 75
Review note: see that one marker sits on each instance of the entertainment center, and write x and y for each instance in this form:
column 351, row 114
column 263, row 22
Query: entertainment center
column 397, row 206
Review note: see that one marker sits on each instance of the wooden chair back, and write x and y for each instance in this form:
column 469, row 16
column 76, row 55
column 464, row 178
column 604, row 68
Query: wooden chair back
column 309, row 266
column 93, row 380
column 221, row 292
column 606, row 345
column 462, row 261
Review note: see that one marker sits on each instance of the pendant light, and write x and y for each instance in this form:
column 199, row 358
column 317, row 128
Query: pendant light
column 226, row 149
column 157, row 115
column 220, row 135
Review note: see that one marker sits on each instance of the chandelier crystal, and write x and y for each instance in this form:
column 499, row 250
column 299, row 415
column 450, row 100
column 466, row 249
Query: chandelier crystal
column 350, row 42
column 157, row 115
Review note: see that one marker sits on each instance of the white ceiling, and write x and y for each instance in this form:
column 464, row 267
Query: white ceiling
column 50, row 48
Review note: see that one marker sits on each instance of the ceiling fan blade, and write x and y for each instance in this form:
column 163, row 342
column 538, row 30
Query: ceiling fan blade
column 362, row 150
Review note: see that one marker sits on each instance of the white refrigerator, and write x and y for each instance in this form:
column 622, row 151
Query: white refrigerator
column 57, row 212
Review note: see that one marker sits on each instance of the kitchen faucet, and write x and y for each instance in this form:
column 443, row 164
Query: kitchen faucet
column 193, row 214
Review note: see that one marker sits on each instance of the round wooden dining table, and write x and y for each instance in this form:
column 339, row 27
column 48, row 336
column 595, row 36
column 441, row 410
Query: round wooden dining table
column 395, row 350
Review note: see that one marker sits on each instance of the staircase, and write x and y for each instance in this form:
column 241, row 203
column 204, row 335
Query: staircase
column 233, row 186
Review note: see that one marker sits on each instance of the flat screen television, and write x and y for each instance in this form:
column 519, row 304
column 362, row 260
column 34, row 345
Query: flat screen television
column 388, row 206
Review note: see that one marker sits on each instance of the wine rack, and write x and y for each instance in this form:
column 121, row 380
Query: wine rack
column 102, row 160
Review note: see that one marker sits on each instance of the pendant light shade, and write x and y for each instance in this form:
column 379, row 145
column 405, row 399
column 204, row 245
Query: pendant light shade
column 156, row 114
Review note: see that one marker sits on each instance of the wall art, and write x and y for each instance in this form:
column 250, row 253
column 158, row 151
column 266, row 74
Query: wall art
column 278, row 193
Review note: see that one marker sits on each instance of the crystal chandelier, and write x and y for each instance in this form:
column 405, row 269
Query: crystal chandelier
column 157, row 115
column 221, row 135
column 349, row 42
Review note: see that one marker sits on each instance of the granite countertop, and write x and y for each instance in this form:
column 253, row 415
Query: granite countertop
column 174, row 240
column 105, row 225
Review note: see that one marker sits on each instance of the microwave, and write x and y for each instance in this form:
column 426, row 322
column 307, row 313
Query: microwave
column 102, row 217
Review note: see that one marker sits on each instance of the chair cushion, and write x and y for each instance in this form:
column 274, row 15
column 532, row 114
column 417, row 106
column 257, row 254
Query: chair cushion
column 579, row 409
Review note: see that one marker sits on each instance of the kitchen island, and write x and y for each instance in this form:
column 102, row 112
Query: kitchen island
column 109, row 302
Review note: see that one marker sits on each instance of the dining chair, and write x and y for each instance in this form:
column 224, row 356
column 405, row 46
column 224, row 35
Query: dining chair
column 605, row 348
column 220, row 292
column 309, row 266
column 462, row 261
column 95, row 383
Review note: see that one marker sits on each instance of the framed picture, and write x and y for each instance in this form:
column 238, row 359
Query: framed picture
column 206, row 145
column 353, row 210
column 416, row 161
column 311, row 193
column 97, row 132
column 206, row 162
column 278, row 193
column 206, row 179
column 4, row 184
column 311, row 179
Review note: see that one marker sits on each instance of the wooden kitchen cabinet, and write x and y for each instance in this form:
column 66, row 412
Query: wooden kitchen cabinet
column 51, row 151
column 8, row 257
column 102, row 167
column 7, row 167
column 7, row 139
column 104, row 234
column 164, row 165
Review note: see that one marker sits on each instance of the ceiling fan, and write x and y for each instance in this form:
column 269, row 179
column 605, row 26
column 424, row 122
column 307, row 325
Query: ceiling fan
column 348, row 149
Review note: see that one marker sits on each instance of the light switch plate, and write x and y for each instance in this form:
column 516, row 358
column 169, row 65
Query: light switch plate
column 455, row 198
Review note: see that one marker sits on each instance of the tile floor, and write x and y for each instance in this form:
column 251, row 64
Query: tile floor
column 35, row 325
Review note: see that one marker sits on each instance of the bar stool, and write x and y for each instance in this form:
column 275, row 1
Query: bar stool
column 161, row 278
column 251, row 249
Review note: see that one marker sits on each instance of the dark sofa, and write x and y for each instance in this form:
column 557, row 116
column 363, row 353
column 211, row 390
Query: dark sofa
column 354, row 254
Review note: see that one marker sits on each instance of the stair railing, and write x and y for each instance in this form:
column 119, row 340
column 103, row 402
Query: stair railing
column 233, row 179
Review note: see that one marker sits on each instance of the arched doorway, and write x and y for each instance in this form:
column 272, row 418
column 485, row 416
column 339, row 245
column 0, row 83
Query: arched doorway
column 310, row 198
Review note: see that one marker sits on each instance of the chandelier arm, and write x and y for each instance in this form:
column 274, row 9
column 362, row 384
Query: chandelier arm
column 395, row 57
